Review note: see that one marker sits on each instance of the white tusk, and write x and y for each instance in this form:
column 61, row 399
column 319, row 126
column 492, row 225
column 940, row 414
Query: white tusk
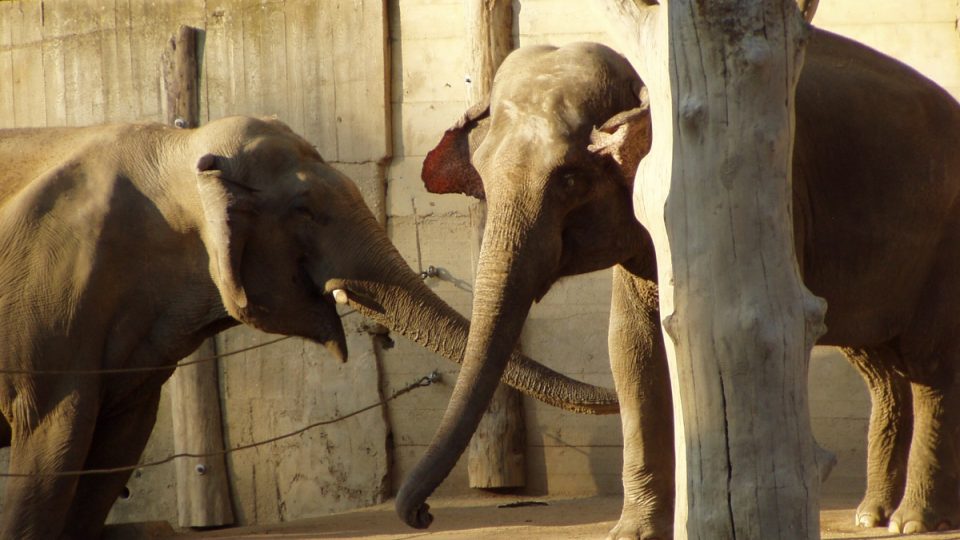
column 340, row 296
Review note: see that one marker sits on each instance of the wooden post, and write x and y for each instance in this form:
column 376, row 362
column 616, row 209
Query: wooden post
column 203, row 495
column 715, row 194
column 496, row 455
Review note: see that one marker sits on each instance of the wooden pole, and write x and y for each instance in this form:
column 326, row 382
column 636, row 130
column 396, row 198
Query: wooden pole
column 715, row 194
column 496, row 455
column 203, row 494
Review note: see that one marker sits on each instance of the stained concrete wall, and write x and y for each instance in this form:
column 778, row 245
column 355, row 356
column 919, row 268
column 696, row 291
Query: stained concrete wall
column 78, row 62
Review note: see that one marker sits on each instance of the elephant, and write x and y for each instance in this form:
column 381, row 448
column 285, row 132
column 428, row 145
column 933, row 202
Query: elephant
column 876, row 203
column 126, row 245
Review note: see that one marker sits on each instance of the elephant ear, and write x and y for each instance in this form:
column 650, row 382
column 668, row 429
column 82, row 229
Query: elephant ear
column 228, row 210
column 447, row 168
column 625, row 138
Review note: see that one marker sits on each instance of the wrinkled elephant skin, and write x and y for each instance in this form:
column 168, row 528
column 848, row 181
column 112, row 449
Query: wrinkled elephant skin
column 876, row 192
column 127, row 245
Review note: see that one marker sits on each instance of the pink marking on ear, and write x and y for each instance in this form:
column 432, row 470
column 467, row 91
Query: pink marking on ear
column 447, row 168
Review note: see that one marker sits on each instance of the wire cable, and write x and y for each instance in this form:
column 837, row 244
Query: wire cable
column 420, row 383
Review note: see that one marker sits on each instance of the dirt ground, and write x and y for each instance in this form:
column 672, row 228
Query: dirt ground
column 495, row 517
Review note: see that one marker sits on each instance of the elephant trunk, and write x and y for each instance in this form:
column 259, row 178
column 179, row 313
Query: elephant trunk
column 386, row 291
column 503, row 293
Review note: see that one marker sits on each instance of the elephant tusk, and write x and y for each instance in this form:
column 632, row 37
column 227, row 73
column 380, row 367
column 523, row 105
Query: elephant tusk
column 340, row 296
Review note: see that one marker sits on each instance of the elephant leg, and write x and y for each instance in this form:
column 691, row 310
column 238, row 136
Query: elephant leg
column 930, row 500
column 642, row 380
column 118, row 441
column 888, row 440
column 57, row 440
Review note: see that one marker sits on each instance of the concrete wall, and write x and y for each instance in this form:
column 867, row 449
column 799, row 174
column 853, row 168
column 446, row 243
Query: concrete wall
column 77, row 62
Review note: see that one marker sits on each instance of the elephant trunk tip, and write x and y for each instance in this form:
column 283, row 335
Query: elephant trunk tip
column 414, row 514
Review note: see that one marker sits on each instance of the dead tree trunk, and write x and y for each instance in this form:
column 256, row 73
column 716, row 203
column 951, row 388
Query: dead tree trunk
column 496, row 455
column 715, row 194
column 203, row 496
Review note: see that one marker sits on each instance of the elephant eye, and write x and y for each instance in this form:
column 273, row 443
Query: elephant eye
column 573, row 183
column 309, row 213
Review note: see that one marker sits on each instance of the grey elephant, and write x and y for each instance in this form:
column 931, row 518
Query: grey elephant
column 877, row 225
column 127, row 245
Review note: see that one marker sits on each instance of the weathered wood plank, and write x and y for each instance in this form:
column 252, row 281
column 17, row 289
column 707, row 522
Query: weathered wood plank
column 180, row 78
column 203, row 494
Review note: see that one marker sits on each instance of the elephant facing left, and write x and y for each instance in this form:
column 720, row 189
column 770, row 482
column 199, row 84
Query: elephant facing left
column 127, row 245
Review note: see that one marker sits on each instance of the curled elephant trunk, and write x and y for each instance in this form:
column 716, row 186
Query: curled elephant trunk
column 398, row 299
column 502, row 298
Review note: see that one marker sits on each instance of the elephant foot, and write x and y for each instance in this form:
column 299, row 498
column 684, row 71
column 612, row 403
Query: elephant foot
column 634, row 527
column 868, row 520
column 914, row 519
column 874, row 512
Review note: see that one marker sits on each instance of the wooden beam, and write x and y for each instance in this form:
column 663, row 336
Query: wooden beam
column 181, row 79
column 496, row 455
column 203, row 494
column 715, row 194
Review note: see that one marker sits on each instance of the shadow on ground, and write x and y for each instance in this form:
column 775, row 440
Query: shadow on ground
column 482, row 517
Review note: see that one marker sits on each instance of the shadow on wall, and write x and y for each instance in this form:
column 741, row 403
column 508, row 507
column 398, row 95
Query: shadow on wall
column 840, row 414
column 570, row 454
column 588, row 459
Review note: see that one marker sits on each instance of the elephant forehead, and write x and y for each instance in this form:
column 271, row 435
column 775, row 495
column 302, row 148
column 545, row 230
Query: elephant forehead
column 548, row 119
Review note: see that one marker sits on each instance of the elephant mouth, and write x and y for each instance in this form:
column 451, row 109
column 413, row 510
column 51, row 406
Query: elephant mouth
column 331, row 333
column 325, row 327
column 356, row 300
column 349, row 294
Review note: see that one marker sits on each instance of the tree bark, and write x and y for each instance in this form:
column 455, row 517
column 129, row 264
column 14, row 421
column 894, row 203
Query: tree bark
column 715, row 194
column 496, row 455
column 203, row 494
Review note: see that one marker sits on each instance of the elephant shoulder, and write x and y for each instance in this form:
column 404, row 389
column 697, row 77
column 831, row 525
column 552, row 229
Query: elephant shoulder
column 61, row 176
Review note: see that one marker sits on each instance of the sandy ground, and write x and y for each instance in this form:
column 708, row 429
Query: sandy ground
column 481, row 517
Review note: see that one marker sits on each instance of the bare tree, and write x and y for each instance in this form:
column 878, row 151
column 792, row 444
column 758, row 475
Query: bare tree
column 714, row 192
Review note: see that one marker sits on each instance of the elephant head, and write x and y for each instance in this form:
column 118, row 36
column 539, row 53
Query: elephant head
column 554, row 152
column 289, row 237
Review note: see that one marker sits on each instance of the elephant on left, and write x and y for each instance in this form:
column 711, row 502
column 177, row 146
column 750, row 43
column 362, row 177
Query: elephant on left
column 127, row 245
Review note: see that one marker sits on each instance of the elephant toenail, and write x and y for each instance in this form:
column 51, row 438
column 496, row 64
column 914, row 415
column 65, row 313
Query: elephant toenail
column 913, row 527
